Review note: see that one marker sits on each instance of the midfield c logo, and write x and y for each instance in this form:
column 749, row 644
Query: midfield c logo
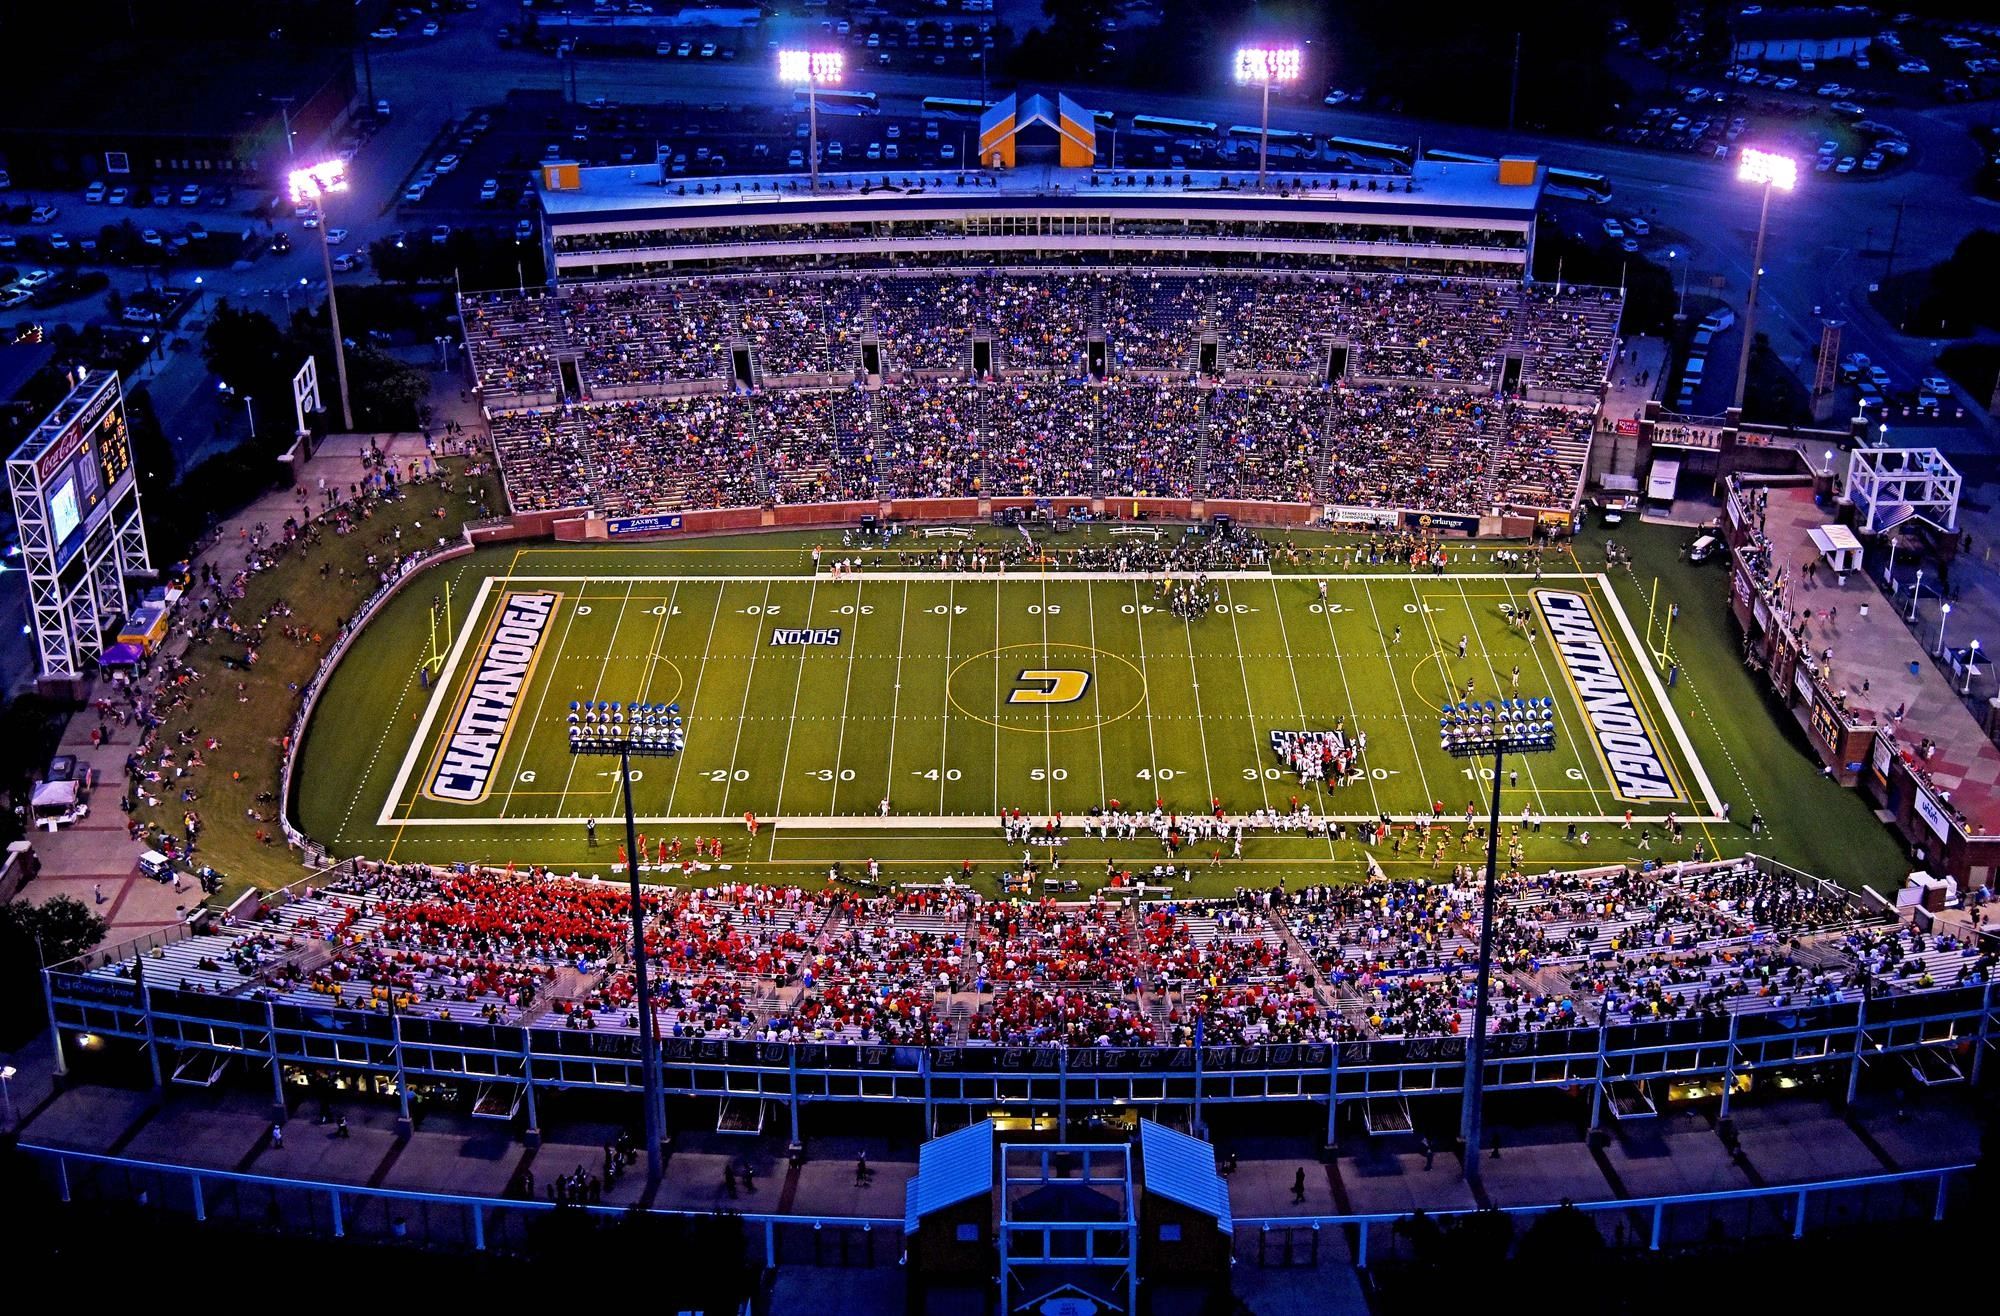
column 1049, row 686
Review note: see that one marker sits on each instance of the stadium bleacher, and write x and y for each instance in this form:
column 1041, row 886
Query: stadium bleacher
column 1415, row 419
column 1383, row 958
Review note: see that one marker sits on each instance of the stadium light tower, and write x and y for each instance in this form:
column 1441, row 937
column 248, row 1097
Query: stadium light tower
column 1477, row 729
column 813, row 68
column 599, row 729
column 311, row 186
column 1264, row 66
column 1770, row 170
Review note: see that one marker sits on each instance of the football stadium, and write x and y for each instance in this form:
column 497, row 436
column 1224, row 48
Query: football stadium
column 1051, row 652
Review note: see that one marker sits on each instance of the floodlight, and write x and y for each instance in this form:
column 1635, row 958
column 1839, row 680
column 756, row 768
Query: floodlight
column 1768, row 167
column 814, row 67
column 315, row 181
column 1265, row 64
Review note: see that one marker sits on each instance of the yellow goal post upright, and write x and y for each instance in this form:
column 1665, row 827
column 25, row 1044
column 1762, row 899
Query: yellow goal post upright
column 1659, row 651
column 441, row 633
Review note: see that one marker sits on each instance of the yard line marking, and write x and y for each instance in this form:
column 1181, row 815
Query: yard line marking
column 598, row 692
column 1527, row 760
column 1096, row 694
column 1146, row 682
column 944, row 740
column 1416, row 751
column 1298, row 697
column 1249, row 706
column 386, row 817
column 693, row 703
column 763, row 610
column 1048, row 726
column 1353, row 711
column 796, row 577
column 998, row 581
column 785, row 766
column 1200, row 722
column 840, row 741
column 895, row 698
column 954, row 822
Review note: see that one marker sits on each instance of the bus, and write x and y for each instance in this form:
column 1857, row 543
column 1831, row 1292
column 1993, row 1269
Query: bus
column 1573, row 183
column 1403, row 155
column 951, row 107
column 1285, row 143
column 1194, row 129
column 1457, row 157
column 838, row 102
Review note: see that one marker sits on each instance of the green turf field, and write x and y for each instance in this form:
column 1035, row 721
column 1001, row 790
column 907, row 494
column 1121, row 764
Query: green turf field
column 951, row 697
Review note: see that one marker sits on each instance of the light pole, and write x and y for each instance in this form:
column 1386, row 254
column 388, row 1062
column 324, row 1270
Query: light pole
column 1772, row 171
column 1971, row 657
column 1916, row 592
column 1474, row 730
column 200, row 295
column 7, row 1093
column 313, row 185
column 651, row 731
column 1944, row 615
column 1264, row 65
column 813, row 68
column 1681, row 310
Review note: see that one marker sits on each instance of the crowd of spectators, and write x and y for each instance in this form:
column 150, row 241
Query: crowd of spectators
column 1415, row 418
column 941, row 964
column 1377, row 446
column 1397, row 327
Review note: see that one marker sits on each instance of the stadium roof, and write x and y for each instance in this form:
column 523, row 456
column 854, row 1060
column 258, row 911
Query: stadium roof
column 631, row 191
column 949, row 1170
column 1182, row 1169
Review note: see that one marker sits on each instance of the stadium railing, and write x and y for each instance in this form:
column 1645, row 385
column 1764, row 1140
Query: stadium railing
column 481, row 1223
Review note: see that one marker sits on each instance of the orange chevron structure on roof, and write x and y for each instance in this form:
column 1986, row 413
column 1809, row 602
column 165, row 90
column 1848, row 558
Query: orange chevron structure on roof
column 1074, row 127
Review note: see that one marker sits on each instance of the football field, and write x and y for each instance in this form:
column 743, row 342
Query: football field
column 811, row 700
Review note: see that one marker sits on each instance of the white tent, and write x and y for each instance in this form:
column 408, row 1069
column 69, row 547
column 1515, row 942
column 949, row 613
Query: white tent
column 1837, row 544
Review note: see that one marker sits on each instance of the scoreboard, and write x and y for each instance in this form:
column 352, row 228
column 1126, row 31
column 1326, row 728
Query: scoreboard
column 76, row 501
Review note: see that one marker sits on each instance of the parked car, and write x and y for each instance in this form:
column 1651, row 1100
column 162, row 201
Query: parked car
column 441, row 234
column 349, row 260
column 335, row 236
column 489, row 190
column 43, row 215
column 119, row 196
column 446, row 163
column 1638, row 226
column 151, row 237
column 35, row 278
column 524, row 230
column 191, row 194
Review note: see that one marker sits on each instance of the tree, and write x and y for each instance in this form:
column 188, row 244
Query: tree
column 30, row 937
column 246, row 350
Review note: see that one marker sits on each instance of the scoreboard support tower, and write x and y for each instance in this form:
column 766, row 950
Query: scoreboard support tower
column 76, row 503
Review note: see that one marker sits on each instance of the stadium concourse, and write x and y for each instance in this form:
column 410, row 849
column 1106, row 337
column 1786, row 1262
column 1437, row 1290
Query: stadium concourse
column 1385, row 392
